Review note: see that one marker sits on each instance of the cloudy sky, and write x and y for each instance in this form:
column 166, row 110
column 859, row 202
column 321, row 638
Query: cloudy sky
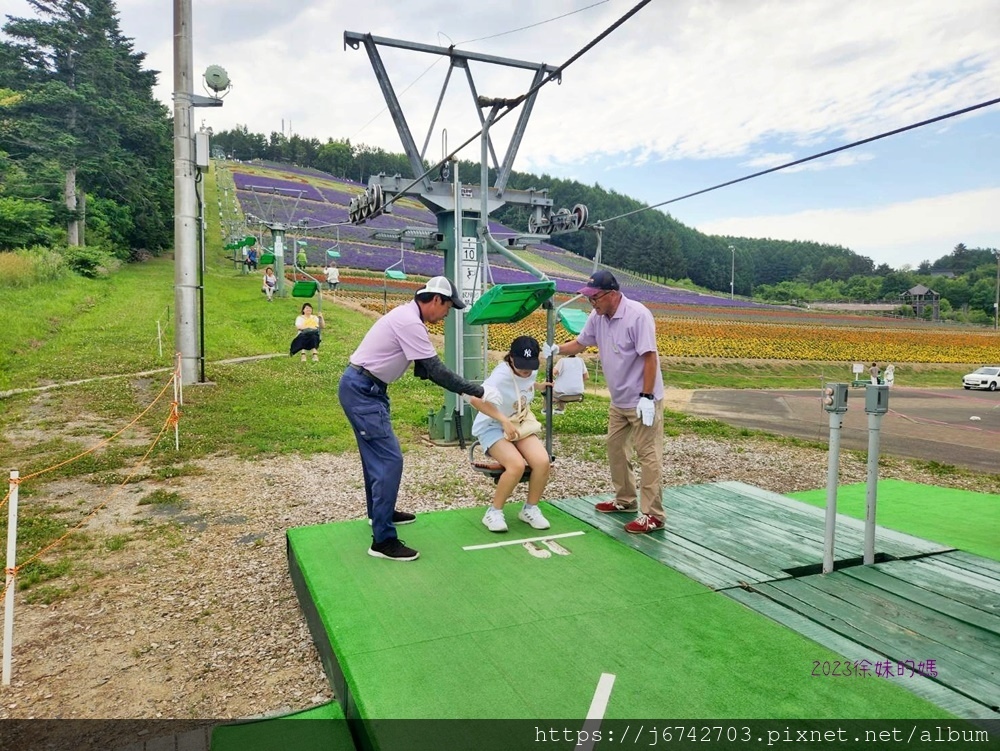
column 685, row 95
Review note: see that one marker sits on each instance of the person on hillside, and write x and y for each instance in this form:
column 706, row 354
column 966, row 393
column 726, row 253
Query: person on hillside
column 270, row 283
column 302, row 259
column 873, row 372
column 252, row 259
column 498, row 428
column 625, row 335
column 391, row 344
column 890, row 375
column 332, row 276
column 570, row 373
column 308, row 338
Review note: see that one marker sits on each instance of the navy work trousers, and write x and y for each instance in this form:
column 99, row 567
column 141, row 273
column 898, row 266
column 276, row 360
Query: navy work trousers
column 366, row 405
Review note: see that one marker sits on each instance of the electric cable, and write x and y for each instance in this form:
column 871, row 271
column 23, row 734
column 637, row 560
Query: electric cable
column 809, row 158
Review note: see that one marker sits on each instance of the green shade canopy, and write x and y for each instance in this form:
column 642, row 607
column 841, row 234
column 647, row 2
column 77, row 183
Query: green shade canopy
column 508, row 303
column 266, row 258
column 573, row 319
column 333, row 253
column 393, row 274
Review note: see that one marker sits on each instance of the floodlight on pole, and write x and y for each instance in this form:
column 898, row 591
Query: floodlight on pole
column 187, row 269
column 732, row 275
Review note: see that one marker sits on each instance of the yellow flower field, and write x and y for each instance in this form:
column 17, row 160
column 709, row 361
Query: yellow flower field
column 752, row 340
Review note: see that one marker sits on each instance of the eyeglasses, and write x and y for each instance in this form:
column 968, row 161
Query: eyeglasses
column 593, row 300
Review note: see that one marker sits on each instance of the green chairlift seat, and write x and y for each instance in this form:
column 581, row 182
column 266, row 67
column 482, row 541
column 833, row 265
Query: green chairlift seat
column 573, row 319
column 305, row 288
column 266, row 259
column 333, row 254
column 508, row 303
column 393, row 274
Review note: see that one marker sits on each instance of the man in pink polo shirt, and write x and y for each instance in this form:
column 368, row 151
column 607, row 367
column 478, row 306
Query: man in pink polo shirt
column 391, row 344
column 625, row 335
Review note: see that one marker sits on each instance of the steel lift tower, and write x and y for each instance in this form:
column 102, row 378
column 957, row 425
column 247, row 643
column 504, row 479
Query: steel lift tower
column 462, row 211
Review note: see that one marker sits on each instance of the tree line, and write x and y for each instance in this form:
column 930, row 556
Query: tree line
column 86, row 163
column 86, row 159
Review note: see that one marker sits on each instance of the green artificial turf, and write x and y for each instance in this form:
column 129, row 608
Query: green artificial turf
column 960, row 518
column 497, row 633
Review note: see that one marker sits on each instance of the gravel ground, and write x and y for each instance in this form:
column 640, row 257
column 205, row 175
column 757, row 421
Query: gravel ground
column 195, row 616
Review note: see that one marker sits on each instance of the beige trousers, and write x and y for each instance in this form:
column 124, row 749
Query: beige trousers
column 626, row 432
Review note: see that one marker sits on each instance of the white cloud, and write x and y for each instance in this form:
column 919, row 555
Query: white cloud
column 900, row 233
column 693, row 79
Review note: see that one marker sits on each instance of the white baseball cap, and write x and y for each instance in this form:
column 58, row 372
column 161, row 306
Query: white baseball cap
column 439, row 285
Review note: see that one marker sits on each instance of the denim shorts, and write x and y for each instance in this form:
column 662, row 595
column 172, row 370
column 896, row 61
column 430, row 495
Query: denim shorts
column 492, row 434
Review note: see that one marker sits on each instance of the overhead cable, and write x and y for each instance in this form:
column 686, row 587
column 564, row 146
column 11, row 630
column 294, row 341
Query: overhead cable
column 809, row 158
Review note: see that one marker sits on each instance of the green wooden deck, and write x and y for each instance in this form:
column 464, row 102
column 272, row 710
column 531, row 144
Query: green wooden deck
column 730, row 533
column 927, row 609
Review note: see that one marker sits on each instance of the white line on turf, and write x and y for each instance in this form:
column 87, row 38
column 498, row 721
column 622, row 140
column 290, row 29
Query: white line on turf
column 598, row 706
column 521, row 541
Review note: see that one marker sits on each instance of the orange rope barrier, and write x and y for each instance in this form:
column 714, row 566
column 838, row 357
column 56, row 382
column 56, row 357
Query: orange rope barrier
column 104, row 503
column 171, row 420
column 106, row 441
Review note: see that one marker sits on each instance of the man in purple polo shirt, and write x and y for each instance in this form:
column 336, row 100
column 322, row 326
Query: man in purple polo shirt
column 625, row 335
column 391, row 344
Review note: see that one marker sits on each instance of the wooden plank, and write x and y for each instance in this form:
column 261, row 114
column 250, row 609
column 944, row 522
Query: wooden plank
column 666, row 548
column 780, row 545
column 895, row 543
column 976, row 563
column 877, row 577
column 847, row 618
column 939, row 576
column 767, row 549
column 688, row 557
column 978, row 645
column 927, row 688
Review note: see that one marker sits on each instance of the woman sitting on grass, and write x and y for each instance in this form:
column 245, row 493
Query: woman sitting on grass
column 496, row 429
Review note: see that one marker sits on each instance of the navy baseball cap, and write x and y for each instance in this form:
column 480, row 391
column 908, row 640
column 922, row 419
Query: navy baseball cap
column 600, row 281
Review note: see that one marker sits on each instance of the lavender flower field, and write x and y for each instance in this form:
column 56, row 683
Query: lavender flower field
column 323, row 201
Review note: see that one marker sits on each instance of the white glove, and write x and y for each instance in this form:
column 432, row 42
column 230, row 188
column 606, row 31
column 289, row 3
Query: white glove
column 646, row 409
column 549, row 350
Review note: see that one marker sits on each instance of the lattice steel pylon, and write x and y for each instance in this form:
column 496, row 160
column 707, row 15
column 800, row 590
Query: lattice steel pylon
column 459, row 209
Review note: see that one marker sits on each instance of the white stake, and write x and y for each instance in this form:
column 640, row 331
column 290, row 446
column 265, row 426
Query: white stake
column 8, row 605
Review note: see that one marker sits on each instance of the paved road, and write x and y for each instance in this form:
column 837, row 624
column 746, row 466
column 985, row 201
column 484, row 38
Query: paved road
column 931, row 424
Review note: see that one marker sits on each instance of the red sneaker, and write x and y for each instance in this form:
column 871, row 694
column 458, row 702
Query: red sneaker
column 643, row 524
column 615, row 507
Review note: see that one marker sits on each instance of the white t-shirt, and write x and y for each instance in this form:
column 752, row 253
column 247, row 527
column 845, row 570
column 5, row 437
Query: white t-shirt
column 569, row 376
column 332, row 275
column 512, row 388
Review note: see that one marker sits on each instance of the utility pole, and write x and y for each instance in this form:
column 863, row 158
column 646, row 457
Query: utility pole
column 996, row 299
column 732, row 275
column 185, row 201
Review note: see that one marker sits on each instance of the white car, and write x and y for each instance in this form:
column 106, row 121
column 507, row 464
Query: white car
column 984, row 378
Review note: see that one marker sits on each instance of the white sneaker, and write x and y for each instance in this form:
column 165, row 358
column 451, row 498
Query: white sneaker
column 494, row 520
column 533, row 515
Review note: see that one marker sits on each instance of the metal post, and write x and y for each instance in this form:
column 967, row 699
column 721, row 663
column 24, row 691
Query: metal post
column 996, row 297
column 832, row 477
column 8, row 605
column 185, row 201
column 732, row 275
column 871, row 491
column 876, row 405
